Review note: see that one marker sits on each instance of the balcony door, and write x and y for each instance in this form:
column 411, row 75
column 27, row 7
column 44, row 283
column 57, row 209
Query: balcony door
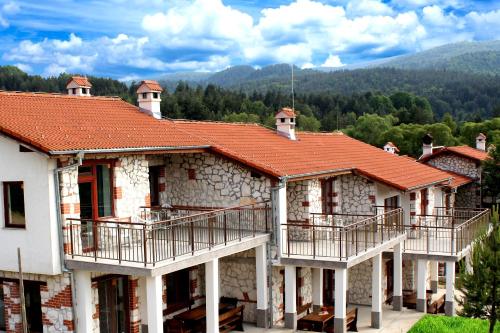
column 95, row 184
column 328, row 287
column 424, row 201
column 113, row 305
column 327, row 194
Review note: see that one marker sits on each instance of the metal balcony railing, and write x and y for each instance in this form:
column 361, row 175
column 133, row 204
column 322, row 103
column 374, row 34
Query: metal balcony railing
column 447, row 231
column 359, row 234
column 152, row 243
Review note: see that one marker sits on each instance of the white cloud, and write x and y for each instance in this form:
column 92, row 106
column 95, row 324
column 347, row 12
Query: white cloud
column 485, row 25
column 332, row 61
column 435, row 16
column 10, row 8
column 368, row 7
column 73, row 41
column 24, row 67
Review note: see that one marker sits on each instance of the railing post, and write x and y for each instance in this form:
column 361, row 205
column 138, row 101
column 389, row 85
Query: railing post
column 145, row 245
column 288, row 239
column 253, row 219
column 173, row 241
column 153, row 245
column 314, row 241
column 340, row 243
column 95, row 238
column 119, row 244
column 191, row 235
column 225, row 229
column 266, row 208
column 71, row 235
column 239, row 223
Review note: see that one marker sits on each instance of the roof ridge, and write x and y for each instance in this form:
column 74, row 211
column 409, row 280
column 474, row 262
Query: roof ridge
column 215, row 122
column 56, row 95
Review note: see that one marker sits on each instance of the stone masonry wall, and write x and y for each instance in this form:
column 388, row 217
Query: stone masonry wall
column 460, row 165
column 360, row 282
column 131, row 185
column 278, row 310
column 70, row 202
column 357, row 194
column 304, row 283
column 206, row 180
column 467, row 196
column 56, row 302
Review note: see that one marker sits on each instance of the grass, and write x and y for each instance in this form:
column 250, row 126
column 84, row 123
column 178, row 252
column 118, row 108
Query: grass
column 442, row 324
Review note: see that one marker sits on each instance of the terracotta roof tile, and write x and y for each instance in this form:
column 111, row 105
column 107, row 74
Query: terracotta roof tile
column 287, row 111
column 464, row 151
column 80, row 80
column 312, row 153
column 53, row 122
column 151, row 85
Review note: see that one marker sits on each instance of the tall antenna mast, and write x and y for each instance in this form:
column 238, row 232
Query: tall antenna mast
column 293, row 95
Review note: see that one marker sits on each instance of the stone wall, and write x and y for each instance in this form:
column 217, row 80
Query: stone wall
column 357, row 194
column 468, row 196
column 70, row 201
column 205, row 180
column 409, row 274
column 56, row 302
column 238, row 280
column 457, row 164
column 304, row 284
column 278, row 283
column 131, row 185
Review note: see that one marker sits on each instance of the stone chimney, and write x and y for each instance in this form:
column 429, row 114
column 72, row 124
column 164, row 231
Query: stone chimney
column 427, row 145
column 481, row 142
column 285, row 123
column 78, row 86
column 391, row 148
column 148, row 97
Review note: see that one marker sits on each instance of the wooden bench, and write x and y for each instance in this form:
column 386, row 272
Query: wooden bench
column 304, row 309
column 436, row 306
column 231, row 320
column 351, row 321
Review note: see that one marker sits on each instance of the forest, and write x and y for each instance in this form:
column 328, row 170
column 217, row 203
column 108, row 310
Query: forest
column 401, row 117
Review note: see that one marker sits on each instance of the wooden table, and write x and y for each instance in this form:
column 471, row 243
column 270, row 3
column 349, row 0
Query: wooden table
column 315, row 321
column 197, row 314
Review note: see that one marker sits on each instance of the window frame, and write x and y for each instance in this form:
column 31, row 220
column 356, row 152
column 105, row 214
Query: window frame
column 93, row 180
column 8, row 223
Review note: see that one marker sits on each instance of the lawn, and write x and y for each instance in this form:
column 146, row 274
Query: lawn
column 442, row 324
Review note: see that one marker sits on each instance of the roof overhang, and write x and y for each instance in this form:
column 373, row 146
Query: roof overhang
column 319, row 174
column 128, row 150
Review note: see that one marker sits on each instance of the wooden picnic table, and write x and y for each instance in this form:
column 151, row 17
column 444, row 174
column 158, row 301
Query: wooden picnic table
column 315, row 321
column 197, row 314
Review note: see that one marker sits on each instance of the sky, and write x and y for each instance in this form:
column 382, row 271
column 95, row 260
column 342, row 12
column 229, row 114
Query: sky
column 133, row 39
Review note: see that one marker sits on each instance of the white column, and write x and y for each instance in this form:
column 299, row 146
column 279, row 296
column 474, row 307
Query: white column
column 281, row 211
column 155, row 304
column 212, row 295
column 449, row 305
column 397, row 297
column 434, row 275
column 377, row 291
column 317, row 287
column 83, row 297
column 421, row 285
column 262, row 291
column 290, row 297
column 339, row 322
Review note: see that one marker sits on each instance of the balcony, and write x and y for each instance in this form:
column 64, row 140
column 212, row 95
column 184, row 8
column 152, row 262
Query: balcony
column 341, row 237
column 448, row 232
column 163, row 236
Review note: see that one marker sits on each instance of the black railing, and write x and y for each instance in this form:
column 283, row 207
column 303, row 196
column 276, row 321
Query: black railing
column 340, row 241
column 151, row 243
column 448, row 232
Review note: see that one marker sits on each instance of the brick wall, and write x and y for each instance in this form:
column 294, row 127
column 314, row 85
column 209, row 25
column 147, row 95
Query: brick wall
column 12, row 302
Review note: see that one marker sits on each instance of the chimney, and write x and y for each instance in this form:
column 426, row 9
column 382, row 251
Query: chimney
column 391, row 148
column 148, row 96
column 285, row 123
column 78, row 86
column 427, row 145
column 481, row 142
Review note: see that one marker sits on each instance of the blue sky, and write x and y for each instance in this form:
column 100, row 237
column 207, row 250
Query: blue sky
column 131, row 39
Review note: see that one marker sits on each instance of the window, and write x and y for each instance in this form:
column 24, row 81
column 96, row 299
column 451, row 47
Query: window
column 74, row 91
column 13, row 198
column 282, row 120
column 154, row 185
column 84, row 91
column 178, row 290
column 144, row 95
column 292, row 120
column 95, row 183
column 327, row 195
column 155, row 95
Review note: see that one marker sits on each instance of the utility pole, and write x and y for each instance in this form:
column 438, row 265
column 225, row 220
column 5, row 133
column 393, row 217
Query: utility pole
column 21, row 292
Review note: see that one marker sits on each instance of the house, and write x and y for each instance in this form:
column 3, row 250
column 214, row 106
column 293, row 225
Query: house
column 464, row 164
column 125, row 220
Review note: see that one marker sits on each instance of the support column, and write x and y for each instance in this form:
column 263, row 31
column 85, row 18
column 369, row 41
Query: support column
column 83, row 304
column 281, row 218
column 317, row 288
column 290, row 297
column 421, row 285
column 377, row 291
column 262, row 291
column 449, row 306
column 434, row 276
column 397, row 297
column 339, row 322
column 212, row 295
column 154, row 304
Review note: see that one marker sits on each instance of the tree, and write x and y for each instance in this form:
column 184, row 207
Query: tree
column 491, row 174
column 481, row 287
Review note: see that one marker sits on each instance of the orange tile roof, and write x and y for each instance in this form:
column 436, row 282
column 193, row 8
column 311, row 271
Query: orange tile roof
column 152, row 85
column 287, row 111
column 458, row 179
column 312, row 153
column 80, row 80
column 464, row 151
column 53, row 122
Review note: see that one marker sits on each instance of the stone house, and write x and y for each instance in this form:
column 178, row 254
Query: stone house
column 126, row 220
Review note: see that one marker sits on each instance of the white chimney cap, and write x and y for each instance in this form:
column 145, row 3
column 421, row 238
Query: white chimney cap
column 149, row 86
column 78, row 86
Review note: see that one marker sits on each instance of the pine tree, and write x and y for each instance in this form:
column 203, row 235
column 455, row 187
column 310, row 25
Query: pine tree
column 491, row 171
column 481, row 287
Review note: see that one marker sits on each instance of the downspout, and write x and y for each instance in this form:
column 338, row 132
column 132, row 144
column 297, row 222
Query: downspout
column 60, row 229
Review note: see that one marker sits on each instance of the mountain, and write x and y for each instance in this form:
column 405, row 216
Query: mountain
column 473, row 57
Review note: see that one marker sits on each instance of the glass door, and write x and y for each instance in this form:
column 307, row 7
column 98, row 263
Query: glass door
column 33, row 306
column 113, row 305
column 329, row 287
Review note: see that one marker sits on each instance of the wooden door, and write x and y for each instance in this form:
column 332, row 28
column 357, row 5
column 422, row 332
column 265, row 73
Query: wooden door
column 328, row 287
column 424, row 201
column 113, row 305
column 33, row 306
